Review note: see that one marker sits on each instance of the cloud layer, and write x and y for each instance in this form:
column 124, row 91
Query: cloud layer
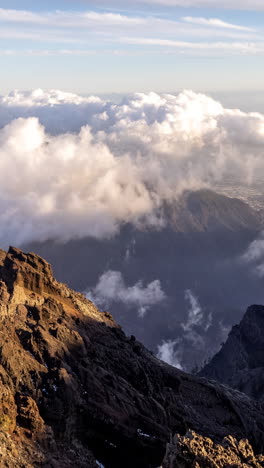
column 73, row 166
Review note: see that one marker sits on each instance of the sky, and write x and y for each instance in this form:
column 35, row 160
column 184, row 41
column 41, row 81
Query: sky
column 108, row 46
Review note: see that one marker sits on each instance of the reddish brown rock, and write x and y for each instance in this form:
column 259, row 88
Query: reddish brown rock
column 196, row 451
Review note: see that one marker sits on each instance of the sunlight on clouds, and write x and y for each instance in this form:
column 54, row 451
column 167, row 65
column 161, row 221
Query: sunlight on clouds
column 67, row 160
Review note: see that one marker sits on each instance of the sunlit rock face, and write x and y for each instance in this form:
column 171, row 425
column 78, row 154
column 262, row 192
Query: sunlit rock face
column 75, row 391
column 195, row 451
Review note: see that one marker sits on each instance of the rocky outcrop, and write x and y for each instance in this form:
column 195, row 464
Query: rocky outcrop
column 240, row 362
column 195, row 451
column 74, row 389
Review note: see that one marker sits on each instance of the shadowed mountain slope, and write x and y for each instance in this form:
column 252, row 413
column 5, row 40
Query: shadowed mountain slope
column 240, row 362
column 74, row 388
column 197, row 249
column 208, row 211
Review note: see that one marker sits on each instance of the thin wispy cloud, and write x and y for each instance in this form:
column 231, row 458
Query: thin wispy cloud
column 215, row 22
column 105, row 30
column 39, row 36
column 226, row 4
column 94, row 28
column 67, row 19
column 222, row 47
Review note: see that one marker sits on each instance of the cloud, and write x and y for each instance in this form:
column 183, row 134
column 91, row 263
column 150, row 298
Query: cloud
column 194, row 329
column 215, row 22
column 171, row 353
column 221, row 4
column 254, row 256
column 112, row 288
column 196, row 322
column 36, row 35
column 251, row 48
column 93, row 30
column 66, row 161
column 195, row 314
column 67, row 19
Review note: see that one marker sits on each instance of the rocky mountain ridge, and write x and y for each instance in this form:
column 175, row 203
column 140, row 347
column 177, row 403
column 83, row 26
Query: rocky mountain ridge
column 240, row 362
column 75, row 390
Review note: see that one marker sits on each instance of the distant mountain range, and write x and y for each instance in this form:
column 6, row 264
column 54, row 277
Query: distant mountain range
column 207, row 211
column 192, row 259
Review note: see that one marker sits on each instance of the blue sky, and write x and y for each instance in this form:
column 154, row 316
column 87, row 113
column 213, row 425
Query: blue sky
column 118, row 46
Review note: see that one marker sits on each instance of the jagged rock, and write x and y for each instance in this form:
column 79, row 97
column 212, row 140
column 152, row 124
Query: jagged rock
column 195, row 451
column 75, row 389
column 240, row 362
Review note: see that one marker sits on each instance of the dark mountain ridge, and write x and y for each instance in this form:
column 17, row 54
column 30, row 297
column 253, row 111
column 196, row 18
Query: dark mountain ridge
column 74, row 388
column 240, row 362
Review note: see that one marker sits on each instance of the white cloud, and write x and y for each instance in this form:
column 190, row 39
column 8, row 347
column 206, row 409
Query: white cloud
column 254, row 256
column 66, row 161
column 111, row 288
column 62, row 19
column 220, row 4
column 36, row 35
column 224, row 4
column 170, row 352
column 195, row 314
column 95, row 30
column 194, row 329
column 215, row 22
column 248, row 48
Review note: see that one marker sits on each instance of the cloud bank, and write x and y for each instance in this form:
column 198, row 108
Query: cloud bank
column 111, row 288
column 73, row 166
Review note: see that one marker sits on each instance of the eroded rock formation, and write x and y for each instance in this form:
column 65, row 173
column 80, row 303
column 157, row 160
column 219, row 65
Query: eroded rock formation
column 195, row 451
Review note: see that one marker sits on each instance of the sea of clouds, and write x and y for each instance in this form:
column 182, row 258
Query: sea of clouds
column 72, row 166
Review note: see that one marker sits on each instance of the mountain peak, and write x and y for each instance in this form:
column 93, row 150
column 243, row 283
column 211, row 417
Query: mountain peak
column 240, row 362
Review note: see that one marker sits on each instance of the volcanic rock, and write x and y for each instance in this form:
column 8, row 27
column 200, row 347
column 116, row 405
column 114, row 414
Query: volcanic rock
column 75, row 391
column 195, row 451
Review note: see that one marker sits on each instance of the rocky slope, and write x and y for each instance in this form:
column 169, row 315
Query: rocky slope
column 195, row 451
column 74, row 389
column 240, row 362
